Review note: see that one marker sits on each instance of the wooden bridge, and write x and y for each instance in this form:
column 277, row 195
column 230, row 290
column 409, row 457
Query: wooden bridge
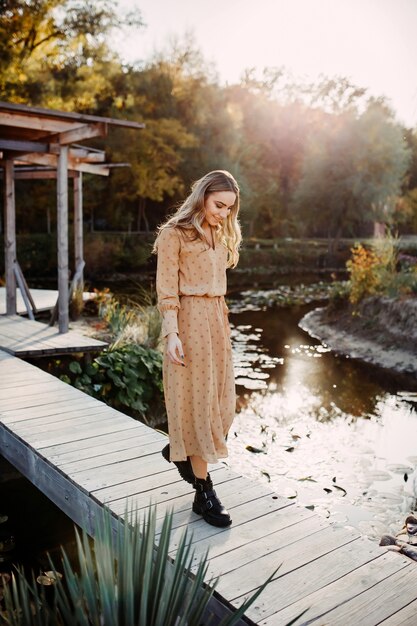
column 83, row 455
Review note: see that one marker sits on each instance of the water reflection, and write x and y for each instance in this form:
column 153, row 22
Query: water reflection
column 330, row 432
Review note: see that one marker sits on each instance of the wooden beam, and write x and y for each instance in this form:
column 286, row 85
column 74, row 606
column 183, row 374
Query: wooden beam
column 10, row 237
column 40, row 175
column 91, row 156
column 78, row 226
column 62, row 239
column 51, row 160
column 34, row 122
column 23, row 146
column 86, row 131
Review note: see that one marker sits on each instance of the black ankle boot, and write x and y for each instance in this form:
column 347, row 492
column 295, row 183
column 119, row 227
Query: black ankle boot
column 207, row 504
column 184, row 467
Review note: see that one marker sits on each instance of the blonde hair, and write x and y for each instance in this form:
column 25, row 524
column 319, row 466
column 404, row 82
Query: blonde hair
column 190, row 215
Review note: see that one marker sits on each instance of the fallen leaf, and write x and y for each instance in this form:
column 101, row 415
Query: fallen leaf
column 310, row 507
column 310, row 478
column 255, row 450
column 341, row 489
column 266, row 474
column 327, row 490
column 290, row 449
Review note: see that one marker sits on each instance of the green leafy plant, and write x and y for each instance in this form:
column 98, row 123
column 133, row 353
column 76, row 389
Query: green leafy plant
column 125, row 377
column 123, row 579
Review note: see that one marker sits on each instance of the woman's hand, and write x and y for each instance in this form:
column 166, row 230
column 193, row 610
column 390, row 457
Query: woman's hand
column 174, row 349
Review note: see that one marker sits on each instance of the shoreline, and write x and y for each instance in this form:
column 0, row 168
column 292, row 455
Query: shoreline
column 368, row 338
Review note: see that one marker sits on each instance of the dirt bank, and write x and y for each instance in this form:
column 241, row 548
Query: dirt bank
column 382, row 331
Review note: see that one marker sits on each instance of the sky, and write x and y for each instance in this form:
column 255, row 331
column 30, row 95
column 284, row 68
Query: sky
column 372, row 42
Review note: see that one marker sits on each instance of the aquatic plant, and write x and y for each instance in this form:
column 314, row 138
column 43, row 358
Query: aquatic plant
column 123, row 579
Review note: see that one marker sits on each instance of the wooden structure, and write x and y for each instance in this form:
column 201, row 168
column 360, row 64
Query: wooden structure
column 49, row 140
column 27, row 338
column 44, row 300
column 84, row 455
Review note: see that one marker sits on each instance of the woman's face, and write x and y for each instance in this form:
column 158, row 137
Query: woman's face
column 218, row 206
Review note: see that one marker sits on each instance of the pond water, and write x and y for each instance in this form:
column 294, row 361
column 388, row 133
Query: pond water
column 325, row 430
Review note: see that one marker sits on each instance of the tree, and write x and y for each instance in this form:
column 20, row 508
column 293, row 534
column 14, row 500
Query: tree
column 352, row 172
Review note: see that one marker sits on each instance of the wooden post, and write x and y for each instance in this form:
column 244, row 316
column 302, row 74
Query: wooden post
column 10, row 237
column 78, row 227
column 62, row 239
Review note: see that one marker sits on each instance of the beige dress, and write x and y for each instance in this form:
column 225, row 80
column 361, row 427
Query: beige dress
column 200, row 398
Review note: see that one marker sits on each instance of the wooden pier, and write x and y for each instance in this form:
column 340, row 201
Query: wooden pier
column 24, row 338
column 44, row 299
column 83, row 455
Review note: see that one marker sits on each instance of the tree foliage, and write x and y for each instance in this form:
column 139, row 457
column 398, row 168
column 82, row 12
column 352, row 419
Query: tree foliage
column 320, row 159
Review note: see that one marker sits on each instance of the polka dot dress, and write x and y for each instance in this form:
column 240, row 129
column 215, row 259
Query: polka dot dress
column 200, row 398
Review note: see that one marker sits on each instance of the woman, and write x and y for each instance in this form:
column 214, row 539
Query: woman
column 194, row 247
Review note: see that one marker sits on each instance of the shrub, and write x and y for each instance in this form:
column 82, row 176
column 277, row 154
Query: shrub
column 124, row 580
column 128, row 378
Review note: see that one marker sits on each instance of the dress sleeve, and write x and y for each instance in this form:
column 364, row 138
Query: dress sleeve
column 167, row 279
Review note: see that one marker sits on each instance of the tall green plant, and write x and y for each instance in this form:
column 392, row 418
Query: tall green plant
column 123, row 580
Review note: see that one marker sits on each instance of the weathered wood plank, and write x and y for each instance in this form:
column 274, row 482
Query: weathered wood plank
column 55, row 451
column 58, row 418
column 58, row 408
column 103, row 460
column 95, row 417
column 377, row 603
column 115, row 473
column 26, row 337
column 319, row 540
column 45, row 299
column 246, row 516
column 404, row 617
column 138, row 490
column 282, row 539
column 183, row 518
column 252, row 530
column 335, row 578
column 109, row 425
column 93, row 452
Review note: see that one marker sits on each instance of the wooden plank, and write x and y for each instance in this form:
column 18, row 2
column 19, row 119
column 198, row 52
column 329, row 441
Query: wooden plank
column 55, row 418
column 318, row 541
column 152, row 487
column 72, row 499
column 120, row 456
column 116, row 473
column 55, row 451
column 85, row 131
column 253, row 493
column 59, row 408
column 22, row 336
column 247, row 517
column 134, row 447
column 33, row 388
column 379, row 602
column 64, row 395
column 323, row 584
column 252, row 530
column 282, row 539
column 94, row 451
column 94, row 417
column 404, row 617
column 109, row 425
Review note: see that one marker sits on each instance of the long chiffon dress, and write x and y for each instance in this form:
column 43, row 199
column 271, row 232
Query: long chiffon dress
column 200, row 398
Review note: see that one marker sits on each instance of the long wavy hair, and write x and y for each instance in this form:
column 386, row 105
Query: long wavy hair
column 189, row 216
